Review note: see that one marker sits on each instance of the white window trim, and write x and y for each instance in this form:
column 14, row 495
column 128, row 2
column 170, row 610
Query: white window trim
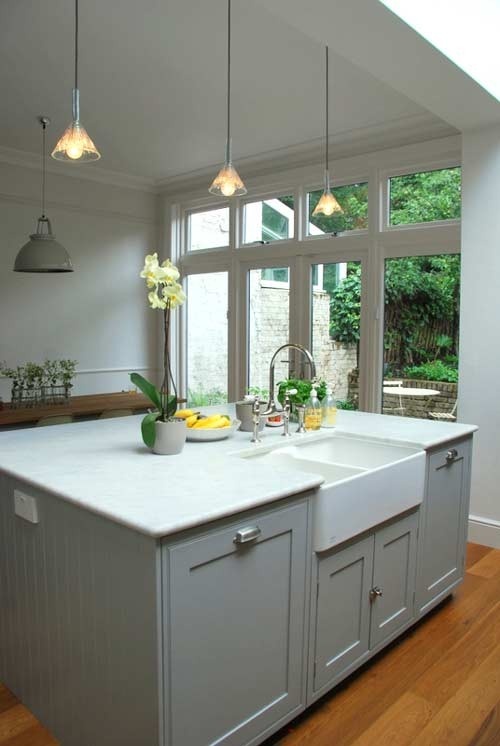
column 371, row 246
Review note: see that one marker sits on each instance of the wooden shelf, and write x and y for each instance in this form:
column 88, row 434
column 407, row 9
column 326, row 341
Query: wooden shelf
column 93, row 404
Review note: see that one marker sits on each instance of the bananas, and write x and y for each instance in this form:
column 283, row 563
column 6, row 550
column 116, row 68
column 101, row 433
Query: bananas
column 184, row 414
column 198, row 421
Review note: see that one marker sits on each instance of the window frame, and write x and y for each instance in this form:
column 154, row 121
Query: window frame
column 372, row 245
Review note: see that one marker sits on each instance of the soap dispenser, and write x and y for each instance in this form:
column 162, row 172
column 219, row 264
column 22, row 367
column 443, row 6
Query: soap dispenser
column 312, row 419
column 328, row 410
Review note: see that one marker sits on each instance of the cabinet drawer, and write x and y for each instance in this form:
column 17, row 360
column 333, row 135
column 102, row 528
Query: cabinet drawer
column 237, row 602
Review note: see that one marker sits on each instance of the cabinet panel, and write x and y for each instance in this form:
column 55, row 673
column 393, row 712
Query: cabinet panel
column 343, row 609
column 394, row 577
column 237, row 630
column 444, row 522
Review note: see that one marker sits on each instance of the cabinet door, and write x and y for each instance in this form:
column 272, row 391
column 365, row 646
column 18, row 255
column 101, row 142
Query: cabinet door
column 392, row 596
column 445, row 514
column 343, row 610
column 236, row 646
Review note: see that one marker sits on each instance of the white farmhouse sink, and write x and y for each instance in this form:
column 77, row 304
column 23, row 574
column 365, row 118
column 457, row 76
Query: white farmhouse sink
column 366, row 481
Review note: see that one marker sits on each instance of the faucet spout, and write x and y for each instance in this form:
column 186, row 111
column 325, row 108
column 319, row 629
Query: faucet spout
column 271, row 405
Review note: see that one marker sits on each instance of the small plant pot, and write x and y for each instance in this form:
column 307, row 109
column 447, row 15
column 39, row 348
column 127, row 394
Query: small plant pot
column 169, row 437
column 245, row 416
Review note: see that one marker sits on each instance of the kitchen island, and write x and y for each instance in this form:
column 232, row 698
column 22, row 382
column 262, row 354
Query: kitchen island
column 182, row 601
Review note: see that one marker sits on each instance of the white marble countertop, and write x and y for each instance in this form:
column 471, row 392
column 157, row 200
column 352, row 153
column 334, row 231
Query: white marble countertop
column 102, row 466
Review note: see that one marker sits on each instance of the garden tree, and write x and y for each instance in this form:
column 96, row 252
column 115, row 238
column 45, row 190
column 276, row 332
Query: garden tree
column 422, row 293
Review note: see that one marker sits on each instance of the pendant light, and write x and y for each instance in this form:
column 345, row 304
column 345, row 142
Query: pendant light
column 42, row 253
column 228, row 183
column 75, row 146
column 327, row 204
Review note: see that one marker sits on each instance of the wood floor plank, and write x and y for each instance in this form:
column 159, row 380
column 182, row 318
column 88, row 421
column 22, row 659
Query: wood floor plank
column 441, row 681
column 487, row 567
column 466, row 715
column 16, row 720
column 475, row 552
column 400, row 724
column 7, row 699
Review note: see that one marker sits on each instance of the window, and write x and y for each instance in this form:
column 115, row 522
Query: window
column 421, row 326
column 353, row 198
column 207, row 365
column 268, row 220
column 425, row 196
column 335, row 316
column 208, row 229
column 268, row 328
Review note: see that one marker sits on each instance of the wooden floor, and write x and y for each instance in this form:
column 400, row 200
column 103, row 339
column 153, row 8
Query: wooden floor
column 438, row 686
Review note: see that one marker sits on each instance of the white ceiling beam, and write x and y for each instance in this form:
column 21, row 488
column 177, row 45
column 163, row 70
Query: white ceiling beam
column 368, row 34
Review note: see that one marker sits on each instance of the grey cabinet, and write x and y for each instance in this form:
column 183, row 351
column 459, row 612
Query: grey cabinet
column 444, row 523
column 364, row 596
column 236, row 614
column 343, row 610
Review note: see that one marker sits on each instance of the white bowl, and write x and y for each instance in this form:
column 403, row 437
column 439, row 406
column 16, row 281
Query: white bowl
column 205, row 434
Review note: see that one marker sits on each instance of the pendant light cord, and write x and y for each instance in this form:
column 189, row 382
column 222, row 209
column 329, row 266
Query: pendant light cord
column 76, row 43
column 228, row 142
column 43, row 168
column 326, row 118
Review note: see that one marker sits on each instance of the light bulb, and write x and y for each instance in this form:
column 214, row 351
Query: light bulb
column 74, row 149
column 228, row 188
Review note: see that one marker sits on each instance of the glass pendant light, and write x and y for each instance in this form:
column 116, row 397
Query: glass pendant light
column 228, row 183
column 42, row 253
column 327, row 204
column 75, row 145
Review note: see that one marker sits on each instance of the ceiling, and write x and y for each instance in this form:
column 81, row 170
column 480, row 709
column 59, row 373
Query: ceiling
column 152, row 80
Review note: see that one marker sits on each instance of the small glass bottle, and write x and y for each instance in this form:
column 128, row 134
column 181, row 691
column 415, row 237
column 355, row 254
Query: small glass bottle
column 312, row 418
column 328, row 410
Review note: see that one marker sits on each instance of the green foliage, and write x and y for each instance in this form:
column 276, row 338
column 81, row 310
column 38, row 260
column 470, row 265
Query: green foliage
column 345, row 305
column 434, row 371
column 203, row 398
column 148, row 429
column 346, row 404
column 165, row 406
column 426, row 196
column 303, row 386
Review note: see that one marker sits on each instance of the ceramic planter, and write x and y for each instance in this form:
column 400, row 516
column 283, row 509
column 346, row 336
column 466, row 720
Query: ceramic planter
column 169, row 437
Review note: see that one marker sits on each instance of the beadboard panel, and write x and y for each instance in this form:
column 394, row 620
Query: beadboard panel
column 75, row 590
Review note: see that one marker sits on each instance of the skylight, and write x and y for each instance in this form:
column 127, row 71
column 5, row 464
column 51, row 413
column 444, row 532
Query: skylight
column 467, row 33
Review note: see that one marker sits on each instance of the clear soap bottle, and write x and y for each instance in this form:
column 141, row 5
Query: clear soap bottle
column 328, row 410
column 312, row 418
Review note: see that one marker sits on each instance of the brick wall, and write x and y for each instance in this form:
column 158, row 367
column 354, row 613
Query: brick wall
column 413, row 406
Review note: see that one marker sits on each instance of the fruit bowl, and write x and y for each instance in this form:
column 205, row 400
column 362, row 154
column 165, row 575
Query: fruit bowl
column 211, row 433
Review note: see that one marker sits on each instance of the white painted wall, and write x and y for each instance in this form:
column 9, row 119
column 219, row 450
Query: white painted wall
column 97, row 315
column 479, row 397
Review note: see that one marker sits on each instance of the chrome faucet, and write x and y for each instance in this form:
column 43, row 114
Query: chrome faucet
column 271, row 404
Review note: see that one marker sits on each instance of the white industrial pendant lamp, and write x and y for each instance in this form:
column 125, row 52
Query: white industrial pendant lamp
column 327, row 204
column 75, row 146
column 42, row 253
column 228, row 183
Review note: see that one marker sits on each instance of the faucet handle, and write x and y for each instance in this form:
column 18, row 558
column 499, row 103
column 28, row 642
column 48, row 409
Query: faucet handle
column 301, row 411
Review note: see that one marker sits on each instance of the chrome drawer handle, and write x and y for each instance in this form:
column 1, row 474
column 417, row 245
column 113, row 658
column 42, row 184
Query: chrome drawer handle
column 375, row 593
column 452, row 455
column 247, row 534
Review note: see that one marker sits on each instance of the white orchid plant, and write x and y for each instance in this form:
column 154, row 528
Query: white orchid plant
column 166, row 294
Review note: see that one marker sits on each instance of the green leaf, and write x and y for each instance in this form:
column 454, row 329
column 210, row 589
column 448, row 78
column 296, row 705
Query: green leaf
column 148, row 389
column 148, row 428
